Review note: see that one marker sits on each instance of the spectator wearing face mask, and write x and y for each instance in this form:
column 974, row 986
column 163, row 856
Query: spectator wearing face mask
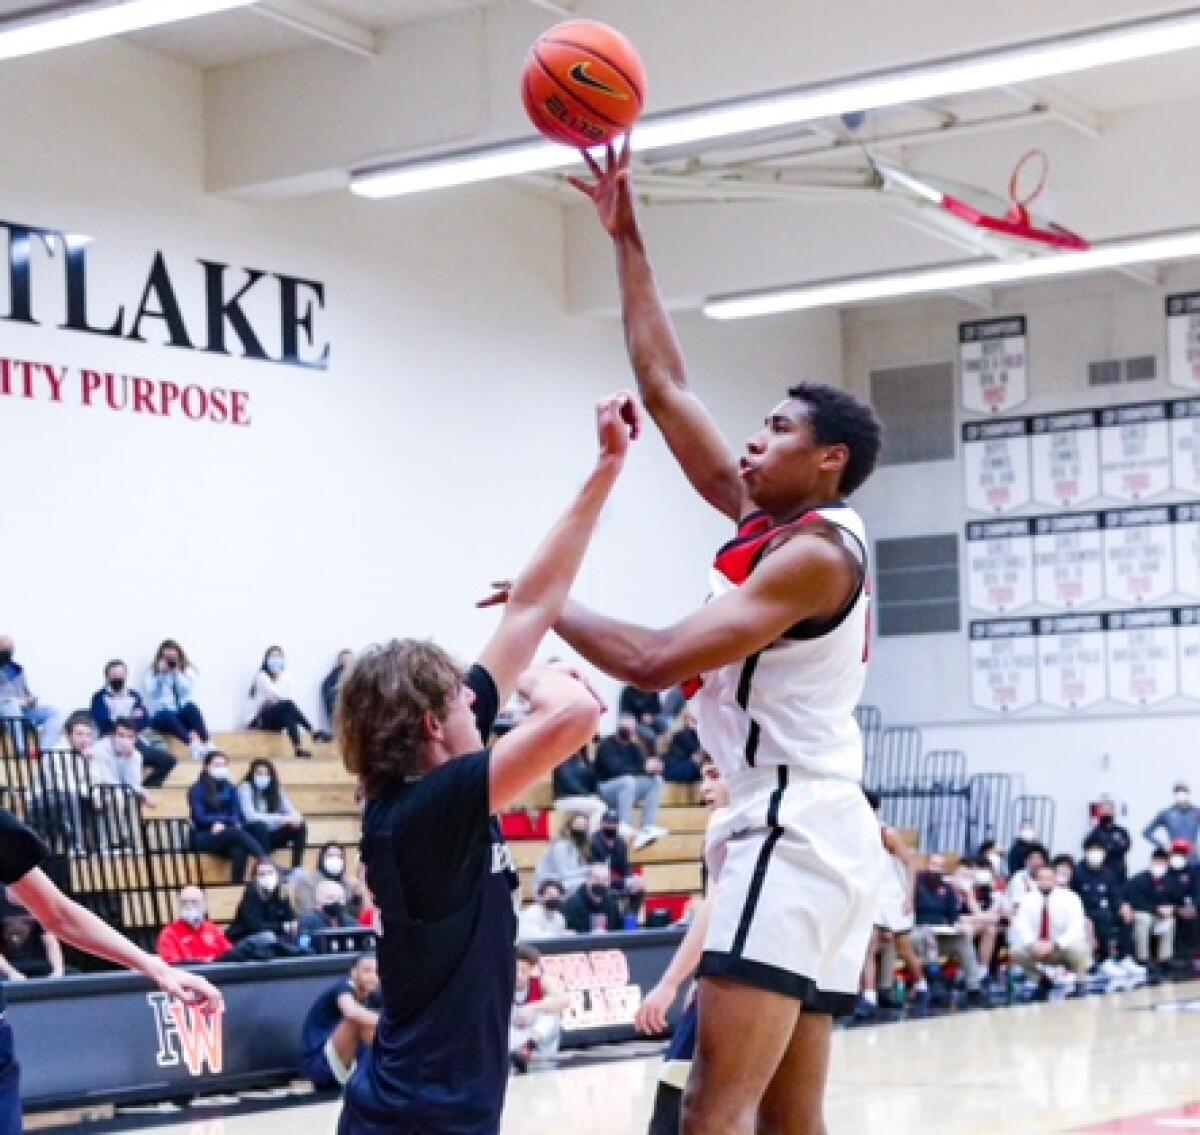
column 646, row 712
column 1185, row 875
column 1151, row 899
column 1100, row 892
column 576, row 788
column 169, row 687
column 1019, row 851
column 1114, row 838
column 263, row 801
column 18, row 703
column 331, row 865
column 1023, row 881
column 941, row 923
column 543, row 918
column 192, row 939
column 593, row 909
column 1048, row 929
column 333, row 683
column 271, row 707
column 682, row 762
column 265, row 917
column 627, row 777
column 1181, row 821
column 218, row 826
column 118, row 701
column 608, row 847
column 566, row 859
column 330, row 913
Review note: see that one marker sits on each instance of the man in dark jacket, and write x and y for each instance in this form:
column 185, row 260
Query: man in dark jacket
column 628, row 777
column 647, row 713
column 1113, row 838
column 609, row 848
column 592, row 908
column 1100, row 892
column 1151, row 900
column 1185, row 874
column 265, row 915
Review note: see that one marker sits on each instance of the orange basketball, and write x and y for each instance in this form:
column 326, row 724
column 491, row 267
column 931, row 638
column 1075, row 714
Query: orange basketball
column 583, row 84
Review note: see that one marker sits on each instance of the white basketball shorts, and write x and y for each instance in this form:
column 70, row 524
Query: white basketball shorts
column 797, row 864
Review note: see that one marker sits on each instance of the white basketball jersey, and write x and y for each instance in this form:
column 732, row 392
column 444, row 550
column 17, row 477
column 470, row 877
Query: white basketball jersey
column 793, row 702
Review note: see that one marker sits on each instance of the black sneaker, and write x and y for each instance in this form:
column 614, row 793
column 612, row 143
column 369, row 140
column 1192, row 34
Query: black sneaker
column 1042, row 993
column 520, row 1060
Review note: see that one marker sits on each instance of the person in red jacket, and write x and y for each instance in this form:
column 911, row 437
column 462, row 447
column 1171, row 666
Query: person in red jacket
column 191, row 939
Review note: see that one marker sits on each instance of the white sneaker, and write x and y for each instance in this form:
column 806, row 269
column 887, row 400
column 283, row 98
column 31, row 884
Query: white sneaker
column 1113, row 970
column 1131, row 968
column 656, row 832
column 645, row 838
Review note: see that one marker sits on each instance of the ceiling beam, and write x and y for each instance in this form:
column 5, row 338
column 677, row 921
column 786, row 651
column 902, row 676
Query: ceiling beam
column 316, row 22
column 1060, row 107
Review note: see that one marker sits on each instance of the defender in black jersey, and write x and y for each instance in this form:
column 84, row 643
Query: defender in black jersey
column 412, row 727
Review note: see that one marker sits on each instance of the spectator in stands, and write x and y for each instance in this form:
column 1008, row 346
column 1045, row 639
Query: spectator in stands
column 265, row 917
column 566, row 859
column 192, row 939
column 609, row 848
column 17, row 701
column 118, row 701
column 1023, row 881
column 1100, row 892
column 330, row 913
column 538, row 1008
column 333, row 683
column 1048, row 929
column 117, row 763
column 1180, row 821
column 1185, row 875
column 26, row 949
column 331, row 865
column 682, row 762
column 169, row 686
column 264, row 802
column 940, row 910
column 1150, row 900
column 543, row 918
column 627, row 777
column 576, row 788
column 1113, row 838
column 646, row 710
column 592, row 908
column 272, row 708
column 1064, row 870
column 989, row 850
column 1019, row 852
column 62, row 795
column 219, row 828
column 341, row 1026
column 986, row 907
column 673, row 702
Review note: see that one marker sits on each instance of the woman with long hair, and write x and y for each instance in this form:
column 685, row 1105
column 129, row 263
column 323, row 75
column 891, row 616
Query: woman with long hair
column 413, row 727
column 264, row 802
column 272, row 707
column 566, row 861
column 218, row 826
column 169, row 686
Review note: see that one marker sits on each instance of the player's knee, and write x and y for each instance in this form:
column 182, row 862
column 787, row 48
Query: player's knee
column 707, row 1110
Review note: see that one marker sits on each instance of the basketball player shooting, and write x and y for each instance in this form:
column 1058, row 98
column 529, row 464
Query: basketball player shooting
column 780, row 654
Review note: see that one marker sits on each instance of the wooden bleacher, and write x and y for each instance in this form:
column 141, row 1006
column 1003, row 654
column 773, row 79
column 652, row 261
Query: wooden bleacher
column 324, row 792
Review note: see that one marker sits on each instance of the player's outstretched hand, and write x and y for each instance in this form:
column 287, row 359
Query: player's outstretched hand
column 612, row 191
column 651, row 1018
column 618, row 422
column 190, row 988
column 540, row 684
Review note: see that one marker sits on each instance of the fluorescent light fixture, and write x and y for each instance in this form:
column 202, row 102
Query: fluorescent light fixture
column 956, row 277
column 1023, row 63
column 82, row 25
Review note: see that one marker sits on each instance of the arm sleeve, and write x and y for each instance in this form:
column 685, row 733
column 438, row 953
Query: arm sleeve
column 100, row 714
column 487, row 699
column 198, row 803
column 168, row 947
column 287, row 807
column 20, row 849
column 246, row 802
column 1154, row 824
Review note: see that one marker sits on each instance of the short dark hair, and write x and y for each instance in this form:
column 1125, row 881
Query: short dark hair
column 1159, row 853
column 1037, row 849
column 838, row 418
column 79, row 717
column 546, row 884
column 1094, row 841
column 1064, row 860
column 125, row 723
column 528, row 954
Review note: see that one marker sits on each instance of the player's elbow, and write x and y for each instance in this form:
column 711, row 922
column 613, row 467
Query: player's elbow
column 582, row 717
column 652, row 670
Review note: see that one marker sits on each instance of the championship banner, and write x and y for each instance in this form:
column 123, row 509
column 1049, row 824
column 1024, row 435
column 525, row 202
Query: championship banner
column 1187, row 645
column 996, row 465
column 1141, row 656
column 1065, row 451
column 1004, row 665
column 1186, row 531
column 1138, row 557
column 1183, row 340
column 999, row 565
column 1068, row 560
column 1072, row 665
column 1135, row 451
column 993, row 364
column 1185, row 445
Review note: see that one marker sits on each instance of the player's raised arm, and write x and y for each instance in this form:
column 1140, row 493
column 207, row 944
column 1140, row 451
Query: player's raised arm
column 536, row 597
column 689, row 429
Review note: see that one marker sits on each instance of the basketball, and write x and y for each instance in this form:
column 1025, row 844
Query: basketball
column 583, row 84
